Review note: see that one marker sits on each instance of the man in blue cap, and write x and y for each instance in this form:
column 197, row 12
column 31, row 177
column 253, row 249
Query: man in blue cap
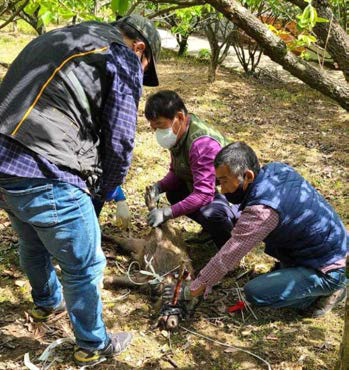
column 68, row 107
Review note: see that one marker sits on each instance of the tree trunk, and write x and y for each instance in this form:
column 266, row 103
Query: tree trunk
column 183, row 46
column 276, row 49
column 95, row 7
column 33, row 20
column 332, row 36
column 214, row 57
column 212, row 70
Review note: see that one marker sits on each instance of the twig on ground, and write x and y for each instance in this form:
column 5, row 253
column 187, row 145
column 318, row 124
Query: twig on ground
column 4, row 225
column 57, row 317
column 242, row 298
column 169, row 360
column 119, row 298
column 225, row 345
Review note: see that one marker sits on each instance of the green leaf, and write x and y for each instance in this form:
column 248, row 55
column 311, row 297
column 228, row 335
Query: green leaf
column 321, row 20
column 120, row 6
column 66, row 15
column 46, row 17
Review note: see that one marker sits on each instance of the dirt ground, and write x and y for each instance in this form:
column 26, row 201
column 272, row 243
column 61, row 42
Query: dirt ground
column 282, row 121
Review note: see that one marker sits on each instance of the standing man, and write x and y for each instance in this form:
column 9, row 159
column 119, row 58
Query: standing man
column 68, row 107
column 299, row 228
column 190, row 184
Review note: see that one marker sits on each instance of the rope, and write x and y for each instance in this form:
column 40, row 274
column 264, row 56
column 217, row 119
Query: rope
column 157, row 279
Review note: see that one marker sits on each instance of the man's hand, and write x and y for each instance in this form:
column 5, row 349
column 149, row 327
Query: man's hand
column 152, row 192
column 157, row 216
column 123, row 214
column 198, row 291
column 184, row 293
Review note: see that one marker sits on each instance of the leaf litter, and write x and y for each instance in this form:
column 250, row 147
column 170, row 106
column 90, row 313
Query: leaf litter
column 282, row 121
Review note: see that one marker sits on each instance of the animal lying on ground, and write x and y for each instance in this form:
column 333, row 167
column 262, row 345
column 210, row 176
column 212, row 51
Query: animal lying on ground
column 162, row 252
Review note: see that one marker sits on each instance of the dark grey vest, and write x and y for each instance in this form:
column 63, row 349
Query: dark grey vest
column 53, row 93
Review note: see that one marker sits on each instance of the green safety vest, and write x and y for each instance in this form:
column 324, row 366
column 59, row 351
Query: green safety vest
column 180, row 152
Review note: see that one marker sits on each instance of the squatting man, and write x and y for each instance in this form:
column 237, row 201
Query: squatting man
column 299, row 229
column 189, row 184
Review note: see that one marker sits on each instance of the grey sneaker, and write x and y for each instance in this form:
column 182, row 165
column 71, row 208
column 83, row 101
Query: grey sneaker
column 118, row 342
column 327, row 303
column 45, row 313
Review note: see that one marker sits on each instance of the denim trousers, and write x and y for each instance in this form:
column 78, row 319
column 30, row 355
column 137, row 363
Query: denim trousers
column 217, row 218
column 294, row 287
column 56, row 219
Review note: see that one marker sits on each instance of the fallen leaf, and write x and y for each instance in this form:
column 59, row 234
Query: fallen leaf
column 164, row 333
column 271, row 337
column 20, row 283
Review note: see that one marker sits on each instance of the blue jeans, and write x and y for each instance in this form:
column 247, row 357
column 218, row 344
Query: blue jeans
column 295, row 287
column 56, row 219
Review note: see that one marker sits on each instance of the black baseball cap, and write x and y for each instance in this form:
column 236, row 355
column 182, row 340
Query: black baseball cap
column 152, row 36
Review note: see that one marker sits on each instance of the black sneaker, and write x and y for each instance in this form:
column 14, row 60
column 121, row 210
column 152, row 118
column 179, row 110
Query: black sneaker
column 327, row 303
column 118, row 342
column 45, row 313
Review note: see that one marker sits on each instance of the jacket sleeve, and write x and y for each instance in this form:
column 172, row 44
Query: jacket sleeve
column 119, row 115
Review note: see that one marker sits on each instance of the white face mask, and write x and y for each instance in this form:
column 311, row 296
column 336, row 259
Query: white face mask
column 165, row 137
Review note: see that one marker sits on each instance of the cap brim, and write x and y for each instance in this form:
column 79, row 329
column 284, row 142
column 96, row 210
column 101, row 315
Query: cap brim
column 150, row 77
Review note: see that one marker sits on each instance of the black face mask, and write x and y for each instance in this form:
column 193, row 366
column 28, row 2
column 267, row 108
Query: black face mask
column 237, row 196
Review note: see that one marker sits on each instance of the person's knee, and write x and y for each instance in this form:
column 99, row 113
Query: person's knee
column 215, row 213
column 252, row 292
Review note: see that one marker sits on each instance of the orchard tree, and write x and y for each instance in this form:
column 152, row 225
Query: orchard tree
column 219, row 32
column 40, row 13
column 330, row 34
column 182, row 22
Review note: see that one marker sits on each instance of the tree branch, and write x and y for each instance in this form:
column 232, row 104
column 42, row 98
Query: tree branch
column 167, row 10
column 180, row 2
column 133, row 7
column 276, row 49
column 330, row 34
column 15, row 14
column 5, row 65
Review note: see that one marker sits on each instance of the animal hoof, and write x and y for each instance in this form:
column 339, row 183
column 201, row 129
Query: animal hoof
column 169, row 322
column 172, row 322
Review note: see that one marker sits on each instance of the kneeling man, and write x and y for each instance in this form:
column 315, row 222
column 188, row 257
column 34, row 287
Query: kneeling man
column 299, row 229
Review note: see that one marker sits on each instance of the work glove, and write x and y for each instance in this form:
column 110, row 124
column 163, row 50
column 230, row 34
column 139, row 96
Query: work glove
column 157, row 216
column 184, row 293
column 153, row 192
column 122, row 214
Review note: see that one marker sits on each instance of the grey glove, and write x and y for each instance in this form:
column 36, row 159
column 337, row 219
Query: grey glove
column 153, row 192
column 184, row 293
column 157, row 216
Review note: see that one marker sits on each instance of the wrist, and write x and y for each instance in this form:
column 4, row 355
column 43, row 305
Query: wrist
column 194, row 292
column 159, row 187
column 168, row 213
